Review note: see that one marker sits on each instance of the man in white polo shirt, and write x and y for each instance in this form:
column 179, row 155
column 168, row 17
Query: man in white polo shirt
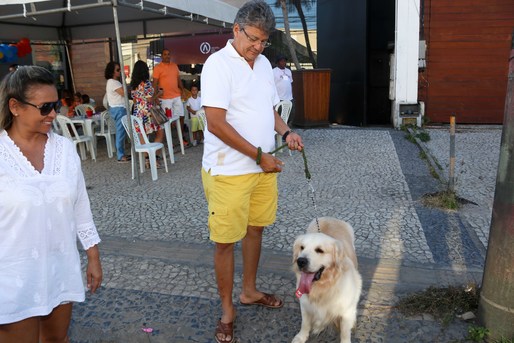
column 239, row 175
column 284, row 82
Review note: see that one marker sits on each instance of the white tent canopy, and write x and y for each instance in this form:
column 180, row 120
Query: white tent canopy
column 53, row 20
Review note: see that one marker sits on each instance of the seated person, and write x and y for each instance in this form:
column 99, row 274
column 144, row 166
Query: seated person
column 194, row 103
column 66, row 103
column 87, row 100
column 77, row 99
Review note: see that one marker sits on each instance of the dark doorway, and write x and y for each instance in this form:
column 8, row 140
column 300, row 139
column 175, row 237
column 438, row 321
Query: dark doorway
column 355, row 39
column 380, row 43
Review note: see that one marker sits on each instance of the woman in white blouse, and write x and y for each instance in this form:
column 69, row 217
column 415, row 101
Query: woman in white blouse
column 44, row 207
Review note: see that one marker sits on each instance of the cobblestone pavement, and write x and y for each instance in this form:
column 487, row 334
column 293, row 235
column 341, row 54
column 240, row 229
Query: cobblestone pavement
column 477, row 152
column 157, row 258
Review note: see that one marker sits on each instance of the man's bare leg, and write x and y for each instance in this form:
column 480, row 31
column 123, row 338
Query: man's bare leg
column 224, row 269
column 251, row 245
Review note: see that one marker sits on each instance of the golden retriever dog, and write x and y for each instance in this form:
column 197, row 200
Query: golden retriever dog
column 328, row 283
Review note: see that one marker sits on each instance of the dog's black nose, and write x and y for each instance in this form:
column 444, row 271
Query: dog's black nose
column 302, row 262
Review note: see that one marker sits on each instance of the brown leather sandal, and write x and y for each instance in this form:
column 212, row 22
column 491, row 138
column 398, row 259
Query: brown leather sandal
column 267, row 300
column 225, row 329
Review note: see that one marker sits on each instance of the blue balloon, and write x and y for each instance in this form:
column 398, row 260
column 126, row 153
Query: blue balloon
column 12, row 53
column 3, row 52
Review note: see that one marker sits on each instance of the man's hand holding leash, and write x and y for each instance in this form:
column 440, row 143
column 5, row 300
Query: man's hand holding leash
column 272, row 164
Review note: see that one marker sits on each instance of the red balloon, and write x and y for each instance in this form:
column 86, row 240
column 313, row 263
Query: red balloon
column 21, row 50
column 24, row 47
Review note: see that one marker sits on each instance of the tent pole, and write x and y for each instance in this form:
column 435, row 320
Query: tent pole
column 71, row 66
column 122, row 67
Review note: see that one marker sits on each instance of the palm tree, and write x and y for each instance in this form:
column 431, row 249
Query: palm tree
column 289, row 40
column 297, row 4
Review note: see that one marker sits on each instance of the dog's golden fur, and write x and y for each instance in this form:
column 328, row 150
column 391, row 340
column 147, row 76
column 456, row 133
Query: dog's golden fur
column 333, row 288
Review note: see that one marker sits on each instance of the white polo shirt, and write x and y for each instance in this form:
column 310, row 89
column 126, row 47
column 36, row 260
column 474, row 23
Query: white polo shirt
column 248, row 95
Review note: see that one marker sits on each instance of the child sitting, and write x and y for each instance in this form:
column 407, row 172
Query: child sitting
column 194, row 103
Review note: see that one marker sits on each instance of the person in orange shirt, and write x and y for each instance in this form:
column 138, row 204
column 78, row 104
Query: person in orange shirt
column 166, row 77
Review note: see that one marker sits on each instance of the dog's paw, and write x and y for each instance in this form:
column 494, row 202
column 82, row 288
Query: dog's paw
column 299, row 338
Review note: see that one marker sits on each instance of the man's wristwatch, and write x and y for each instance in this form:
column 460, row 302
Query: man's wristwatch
column 284, row 136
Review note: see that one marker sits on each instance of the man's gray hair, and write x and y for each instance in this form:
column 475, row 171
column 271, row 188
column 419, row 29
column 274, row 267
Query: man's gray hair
column 256, row 13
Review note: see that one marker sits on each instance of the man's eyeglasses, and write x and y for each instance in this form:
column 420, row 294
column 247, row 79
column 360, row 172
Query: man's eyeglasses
column 254, row 40
column 46, row 108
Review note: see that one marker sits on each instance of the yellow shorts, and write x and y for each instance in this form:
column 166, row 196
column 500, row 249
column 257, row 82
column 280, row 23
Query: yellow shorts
column 236, row 202
column 196, row 125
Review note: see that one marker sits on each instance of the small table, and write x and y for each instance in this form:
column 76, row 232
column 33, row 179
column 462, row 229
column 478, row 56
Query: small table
column 87, row 124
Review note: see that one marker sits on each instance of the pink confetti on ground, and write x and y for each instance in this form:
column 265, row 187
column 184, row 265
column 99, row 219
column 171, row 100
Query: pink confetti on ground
column 147, row 330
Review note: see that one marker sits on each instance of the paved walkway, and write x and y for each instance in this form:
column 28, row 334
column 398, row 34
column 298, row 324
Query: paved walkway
column 157, row 258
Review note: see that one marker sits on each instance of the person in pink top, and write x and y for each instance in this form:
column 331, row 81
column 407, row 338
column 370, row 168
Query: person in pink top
column 166, row 76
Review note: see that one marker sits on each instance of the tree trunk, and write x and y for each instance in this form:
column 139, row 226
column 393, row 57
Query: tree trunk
column 289, row 40
column 495, row 310
column 298, row 5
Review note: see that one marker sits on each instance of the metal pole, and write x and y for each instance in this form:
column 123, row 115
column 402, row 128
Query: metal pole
column 71, row 66
column 451, row 178
column 496, row 307
column 124, row 83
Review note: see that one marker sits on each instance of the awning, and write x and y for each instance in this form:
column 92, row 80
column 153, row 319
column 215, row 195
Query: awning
column 195, row 49
column 53, row 20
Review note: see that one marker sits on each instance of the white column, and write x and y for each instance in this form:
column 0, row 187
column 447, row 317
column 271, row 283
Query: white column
column 406, row 55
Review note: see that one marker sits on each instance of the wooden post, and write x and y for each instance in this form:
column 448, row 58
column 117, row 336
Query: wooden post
column 496, row 307
column 451, row 178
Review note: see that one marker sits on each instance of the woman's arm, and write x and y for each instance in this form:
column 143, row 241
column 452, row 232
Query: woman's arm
column 94, row 272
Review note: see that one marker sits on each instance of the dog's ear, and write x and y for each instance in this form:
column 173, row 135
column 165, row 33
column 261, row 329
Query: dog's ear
column 339, row 251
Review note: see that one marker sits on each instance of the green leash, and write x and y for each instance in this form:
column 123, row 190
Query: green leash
column 308, row 176
column 306, row 168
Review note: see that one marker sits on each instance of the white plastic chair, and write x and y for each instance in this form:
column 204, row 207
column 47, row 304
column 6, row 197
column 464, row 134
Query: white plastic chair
column 144, row 147
column 82, row 108
column 81, row 140
column 108, row 131
column 105, row 102
column 56, row 128
column 187, row 122
column 284, row 108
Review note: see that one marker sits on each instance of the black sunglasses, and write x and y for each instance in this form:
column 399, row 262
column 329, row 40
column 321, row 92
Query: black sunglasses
column 46, row 108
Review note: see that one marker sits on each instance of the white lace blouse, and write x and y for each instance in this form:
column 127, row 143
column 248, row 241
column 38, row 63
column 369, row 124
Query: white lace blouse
column 41, row 215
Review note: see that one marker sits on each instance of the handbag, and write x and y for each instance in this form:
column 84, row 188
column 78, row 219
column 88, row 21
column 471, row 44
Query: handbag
column 158, row 114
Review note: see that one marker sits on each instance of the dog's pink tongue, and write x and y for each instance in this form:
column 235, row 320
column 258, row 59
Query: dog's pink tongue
column 305, row 284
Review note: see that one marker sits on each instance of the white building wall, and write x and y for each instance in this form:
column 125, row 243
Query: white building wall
column 406, row 56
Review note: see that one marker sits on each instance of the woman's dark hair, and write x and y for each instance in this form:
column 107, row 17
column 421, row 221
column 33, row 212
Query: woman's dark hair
column 109, row 69
column 18, row 84
column 85, row 99
column 139, row 73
